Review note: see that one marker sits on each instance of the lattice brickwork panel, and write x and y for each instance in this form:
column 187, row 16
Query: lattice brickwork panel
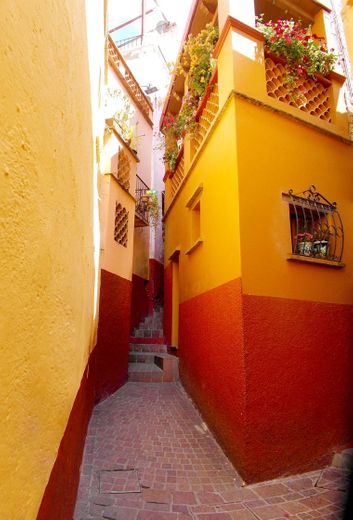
column 309, row 95
column 123, row 169
column 178, row 176
column 207, row 117
column 121, row 224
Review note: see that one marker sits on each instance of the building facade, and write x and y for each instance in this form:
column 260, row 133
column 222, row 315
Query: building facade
column 77, row 155
column 263, row 322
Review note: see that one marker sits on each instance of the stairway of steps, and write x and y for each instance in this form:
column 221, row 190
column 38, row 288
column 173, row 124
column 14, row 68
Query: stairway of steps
column 149, row 359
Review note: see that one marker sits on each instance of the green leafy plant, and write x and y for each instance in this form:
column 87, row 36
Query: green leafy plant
column 153, row 206
column 306, row 54
column 197, row 61
column 120, row 108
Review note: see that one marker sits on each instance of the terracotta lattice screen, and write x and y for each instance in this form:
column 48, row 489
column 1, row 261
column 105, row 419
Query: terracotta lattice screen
column 121, row 224
column 308, row 95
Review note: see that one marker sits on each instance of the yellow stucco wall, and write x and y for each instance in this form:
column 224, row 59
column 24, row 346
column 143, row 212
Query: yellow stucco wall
column 217, row 259
column 47, row 236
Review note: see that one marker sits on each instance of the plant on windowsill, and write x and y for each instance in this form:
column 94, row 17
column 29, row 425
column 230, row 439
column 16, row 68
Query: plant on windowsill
column 304, row 243
column 305, row 53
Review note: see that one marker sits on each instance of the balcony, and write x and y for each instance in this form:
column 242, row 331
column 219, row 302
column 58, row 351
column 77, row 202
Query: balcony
column 130, row 83
column 141, row 208
column 205, row 118
column 260, row 78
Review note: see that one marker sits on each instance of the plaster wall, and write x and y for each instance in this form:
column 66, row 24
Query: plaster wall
column 48, row 266
column 219, row 216
column 157, row 245
column 143, row 131
column 116, row 258
column 141, row 252
column 279, row 164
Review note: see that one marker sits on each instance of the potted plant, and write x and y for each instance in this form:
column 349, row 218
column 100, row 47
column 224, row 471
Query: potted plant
column 304, row 243
column 197, row 64
column 320, row 248
column 305, row 53
column 118, row 106
column 321, row 245
column 196, row 61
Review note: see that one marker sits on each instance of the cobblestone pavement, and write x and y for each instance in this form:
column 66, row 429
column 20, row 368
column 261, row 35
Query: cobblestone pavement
column 149, row 456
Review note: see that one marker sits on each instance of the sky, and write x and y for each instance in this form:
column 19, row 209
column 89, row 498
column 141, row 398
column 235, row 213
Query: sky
column 121, row 11
column 150, row 68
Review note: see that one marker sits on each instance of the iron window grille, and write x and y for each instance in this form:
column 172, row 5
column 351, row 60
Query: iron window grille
column 316, row 226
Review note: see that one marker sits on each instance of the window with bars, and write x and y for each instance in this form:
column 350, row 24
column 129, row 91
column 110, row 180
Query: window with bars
column 316, row 226
column 121, row 224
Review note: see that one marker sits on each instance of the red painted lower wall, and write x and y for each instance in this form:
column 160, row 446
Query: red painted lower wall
column 60, row 494
column 139, row 304
column 211, row 358
column 168, row 289
column 106, row 372
column 299, row 383
column 272, row 377
column 156, row 282
column 109, row 360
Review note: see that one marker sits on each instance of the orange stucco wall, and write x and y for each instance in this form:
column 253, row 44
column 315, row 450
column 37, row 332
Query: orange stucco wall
column 280, row 163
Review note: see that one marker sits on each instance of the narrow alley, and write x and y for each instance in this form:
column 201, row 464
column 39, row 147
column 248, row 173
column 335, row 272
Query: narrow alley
column 176, row 331
column 149, row 456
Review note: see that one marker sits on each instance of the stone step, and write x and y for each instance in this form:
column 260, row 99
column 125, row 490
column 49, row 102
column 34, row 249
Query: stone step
column 142, row 357
column 149, row 326
column 150, row 333
column 342, row 459
column 148, row 347
column 152, row 320
column 162, row 368
column 145, row 373
column 147, row 341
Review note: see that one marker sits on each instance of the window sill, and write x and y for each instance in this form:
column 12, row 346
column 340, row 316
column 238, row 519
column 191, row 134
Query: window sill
column 195, row 245
column 311, row 260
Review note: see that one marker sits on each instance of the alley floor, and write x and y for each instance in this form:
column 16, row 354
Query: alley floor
column 149, row 456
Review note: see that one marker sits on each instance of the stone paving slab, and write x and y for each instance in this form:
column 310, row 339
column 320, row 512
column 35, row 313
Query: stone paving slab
column 175, row 470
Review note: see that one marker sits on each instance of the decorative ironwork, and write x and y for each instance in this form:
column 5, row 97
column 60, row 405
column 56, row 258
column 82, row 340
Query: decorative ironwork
column 141, row 209
column 316, row 226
